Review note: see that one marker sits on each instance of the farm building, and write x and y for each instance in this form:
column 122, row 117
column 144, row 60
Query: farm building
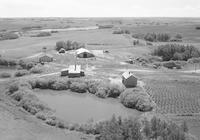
column 75, row 71
column 61, row 50
column 129, row 80
column 84, row 53
column 45, row 58
column 64, row 72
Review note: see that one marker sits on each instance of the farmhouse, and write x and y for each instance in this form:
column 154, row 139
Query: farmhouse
column 84, row 53
column 45, row 58
column 129, row 80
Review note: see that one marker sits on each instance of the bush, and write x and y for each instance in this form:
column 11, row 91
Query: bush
column 61, row 84
column 136, row 98
column 32, row 104
column 36, row 70
column 176, row 52
column 78, row 87
column 26, row 65
column 114, row 90
column 20, row 73
column 92, row 86
column 5, row 75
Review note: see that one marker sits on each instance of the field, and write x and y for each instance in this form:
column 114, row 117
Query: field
column 176, row 93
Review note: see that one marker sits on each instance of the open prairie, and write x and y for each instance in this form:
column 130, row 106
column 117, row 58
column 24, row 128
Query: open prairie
column 174, row 91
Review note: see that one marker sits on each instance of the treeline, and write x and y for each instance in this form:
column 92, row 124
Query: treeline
column 158, row 37
column 176, row 52
column 161, row 37
column 129, row 129
column 8, row 36
column 68, row 45
column 19, row 63
column 121, row 32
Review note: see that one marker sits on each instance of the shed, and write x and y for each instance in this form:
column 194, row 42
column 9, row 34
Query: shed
column 62, row 50
column 45, row 58
column 84, row 53
column 129, row 80
column 75, row 71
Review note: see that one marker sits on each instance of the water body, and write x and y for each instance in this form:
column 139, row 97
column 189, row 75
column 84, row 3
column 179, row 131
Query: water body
column 67, row 29
column 80, row 108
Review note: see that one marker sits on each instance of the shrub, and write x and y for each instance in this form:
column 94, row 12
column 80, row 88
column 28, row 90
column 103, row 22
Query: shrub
column 61, row 84
column 92, row 86
column 36, row 70
column 136, row 98
column 78, row 87
column 176, row 52
column 5, row 75
column 114, row 90
column 102, row 90
column 26, row 65
column 32, row 104
column 20, row 73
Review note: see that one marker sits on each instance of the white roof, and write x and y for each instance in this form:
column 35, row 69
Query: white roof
column 73, row 70
column 127, row 74
column 82, row 50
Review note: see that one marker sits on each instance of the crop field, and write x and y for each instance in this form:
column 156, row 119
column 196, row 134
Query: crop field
column 175, row 97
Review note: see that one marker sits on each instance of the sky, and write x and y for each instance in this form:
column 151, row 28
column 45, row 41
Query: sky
column 99, row 8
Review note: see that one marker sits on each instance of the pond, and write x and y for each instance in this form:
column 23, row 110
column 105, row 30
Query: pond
column 80, row 108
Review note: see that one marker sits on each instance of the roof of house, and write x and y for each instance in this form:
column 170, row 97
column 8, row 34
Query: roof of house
column 82, row 50
column 127, row 74
column 73, row 70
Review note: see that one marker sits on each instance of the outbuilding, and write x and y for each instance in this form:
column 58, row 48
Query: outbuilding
column 62, row 50
column 45, row 58
column 75, row 71
column 84, row 53
column 129, row 80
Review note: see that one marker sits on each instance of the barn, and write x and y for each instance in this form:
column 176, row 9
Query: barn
column 84, row 53
column 129, row 80
column 45, row 58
